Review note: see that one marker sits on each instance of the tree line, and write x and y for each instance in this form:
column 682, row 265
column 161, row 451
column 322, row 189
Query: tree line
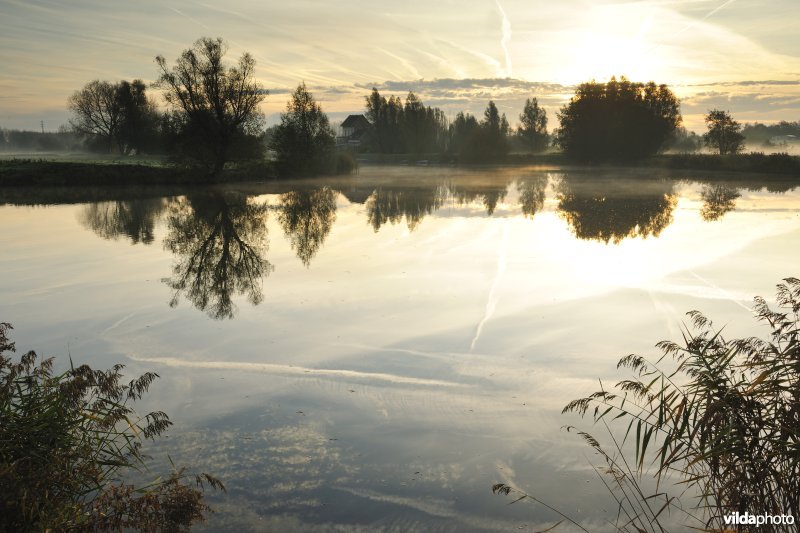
column 213, row 119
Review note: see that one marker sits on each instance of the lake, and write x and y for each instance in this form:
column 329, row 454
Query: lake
column 374, row 352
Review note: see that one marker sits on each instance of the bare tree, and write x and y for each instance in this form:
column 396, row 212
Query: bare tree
column 97, row 113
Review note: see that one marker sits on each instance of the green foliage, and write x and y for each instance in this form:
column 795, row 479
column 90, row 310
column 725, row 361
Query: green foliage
column 619, row 120
column 533, row 126
column 724, row 134
column 723, row 417
column 64, row 441
column 304, row 142
column 216, row 112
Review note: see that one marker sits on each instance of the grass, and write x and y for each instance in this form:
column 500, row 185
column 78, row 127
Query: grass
column 716, row 419
column 65, row 441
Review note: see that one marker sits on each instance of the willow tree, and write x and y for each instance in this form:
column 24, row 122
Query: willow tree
column 217, row 106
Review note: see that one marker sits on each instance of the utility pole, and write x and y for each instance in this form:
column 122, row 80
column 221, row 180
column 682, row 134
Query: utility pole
column 42, row 123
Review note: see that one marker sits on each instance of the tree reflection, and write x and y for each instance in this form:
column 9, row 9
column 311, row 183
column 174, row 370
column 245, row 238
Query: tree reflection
column 531, row 194
column 388, row 205
column 488, row 194
column 718, row 199
column 610, row 212
column 134, row 219
column 307, row 217
column 219, row 242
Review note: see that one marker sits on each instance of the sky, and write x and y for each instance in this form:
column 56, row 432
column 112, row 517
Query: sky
column 738, row 55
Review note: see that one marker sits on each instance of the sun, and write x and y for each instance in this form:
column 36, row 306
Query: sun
column 613, row 43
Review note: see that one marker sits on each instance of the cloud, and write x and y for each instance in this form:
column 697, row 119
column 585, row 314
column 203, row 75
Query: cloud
column 746, row 83
column 440, row 86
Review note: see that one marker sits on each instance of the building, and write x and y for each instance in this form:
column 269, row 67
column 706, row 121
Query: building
column 354, row 131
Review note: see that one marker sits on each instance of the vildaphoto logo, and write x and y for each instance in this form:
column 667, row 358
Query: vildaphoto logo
column 742, row 519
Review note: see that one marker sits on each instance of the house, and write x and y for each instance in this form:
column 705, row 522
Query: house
column 354, row 130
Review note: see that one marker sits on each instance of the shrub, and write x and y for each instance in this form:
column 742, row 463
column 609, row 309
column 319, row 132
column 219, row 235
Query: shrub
column 725, row 419
column 64, row 441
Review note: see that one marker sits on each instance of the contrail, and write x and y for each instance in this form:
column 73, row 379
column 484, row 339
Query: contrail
column 291, row 370
column 694, row 23
column 506, row 38
column 727, row 294
column 491, row 302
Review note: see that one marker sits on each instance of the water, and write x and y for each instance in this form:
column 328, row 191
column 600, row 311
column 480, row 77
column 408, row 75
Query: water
column 374, row 352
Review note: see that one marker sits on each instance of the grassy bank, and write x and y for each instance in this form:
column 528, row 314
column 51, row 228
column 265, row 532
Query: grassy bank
column 40, row 172
column 54, row 172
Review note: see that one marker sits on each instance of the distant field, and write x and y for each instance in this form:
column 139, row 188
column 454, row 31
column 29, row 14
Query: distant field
column 86, row 157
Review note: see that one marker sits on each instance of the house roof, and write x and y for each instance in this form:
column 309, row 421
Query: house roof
column 356, row 121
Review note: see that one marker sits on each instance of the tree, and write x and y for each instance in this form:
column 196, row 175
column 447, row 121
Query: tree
column 618, row 120
column 97, row 114
column 218, row 105
column 304, row 141
column 533, row 126
column 464, row 138
column 138, row 130
column 494, row 133
column 114, row 117
column 724, row 133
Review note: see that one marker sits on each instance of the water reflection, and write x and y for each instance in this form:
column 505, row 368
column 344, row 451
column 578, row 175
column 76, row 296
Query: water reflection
column 611, row 211
column 489, row 193
column 219, row 242
column 386, row 204
column 134, row 219
column 307, row 217
column 718, row 199
column 532, row 193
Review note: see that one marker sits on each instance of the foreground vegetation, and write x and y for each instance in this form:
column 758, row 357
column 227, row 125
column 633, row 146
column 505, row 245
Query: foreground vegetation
column 720, row 418
column 65, row 441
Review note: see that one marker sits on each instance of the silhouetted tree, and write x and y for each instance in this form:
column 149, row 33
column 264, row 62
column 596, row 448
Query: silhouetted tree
column 724, row 133
column 718, row 199
column 304, row 141
column 618, row 120
column 307, row 217
column 533, row 126
column 97, row 114
column 218, row 115
column 219, row 242
column 399, row 128
column 610, row 212
column 115, row 117
column 140, row 119
column 494, row 134
column 464, row 136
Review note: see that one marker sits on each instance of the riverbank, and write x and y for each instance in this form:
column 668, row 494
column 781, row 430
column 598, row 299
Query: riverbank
column 54, row 172
column 31, row 172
